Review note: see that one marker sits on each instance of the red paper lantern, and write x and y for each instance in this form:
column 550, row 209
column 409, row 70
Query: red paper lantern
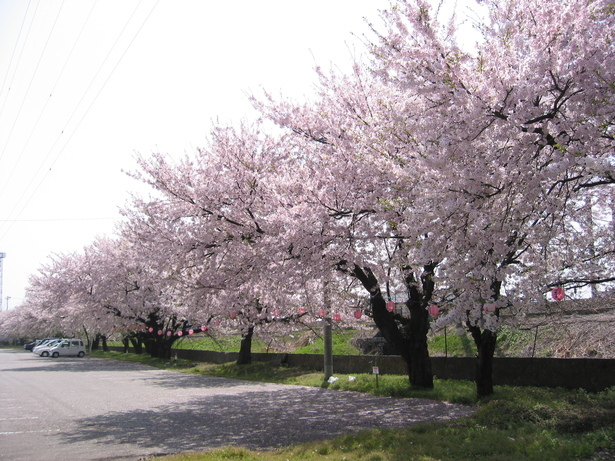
column 390, row 306
column 233, row 315
column 322, row 312
column 179, row 333
column 558, row 293
column 337, row 316
column 151, row 330
column 159, row 332
column 168, row 333
column 302, row 310
column 357, row 314
column 203, row 328
column 191, row 331
column 433, row 310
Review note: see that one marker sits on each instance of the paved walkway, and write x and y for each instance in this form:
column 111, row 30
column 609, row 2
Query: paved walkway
column 94, row 409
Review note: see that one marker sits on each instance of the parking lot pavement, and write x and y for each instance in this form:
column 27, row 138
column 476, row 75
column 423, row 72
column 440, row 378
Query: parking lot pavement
column 94, row 409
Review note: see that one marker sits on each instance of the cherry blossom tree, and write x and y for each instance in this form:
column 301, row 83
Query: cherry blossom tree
column 109, row 288
column 538, row 100
column 351, row 201
column 213, row 222
column 51, row 295
column 487, row 148
column 23, row 322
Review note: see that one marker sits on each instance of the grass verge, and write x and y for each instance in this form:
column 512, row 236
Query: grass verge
column 517, row 423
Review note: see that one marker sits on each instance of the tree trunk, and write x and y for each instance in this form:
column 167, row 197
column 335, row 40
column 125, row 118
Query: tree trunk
column 164, row 347
column 150, row 345
column 136, row 344
column 421, row 374
column 384, row 319
column 485, row 345
column 245, row 350
column 96, row 343
column 126, row 345
column 159, row 346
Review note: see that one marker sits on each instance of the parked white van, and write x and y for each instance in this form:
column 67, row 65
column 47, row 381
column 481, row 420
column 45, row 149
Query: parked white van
column 64, row 347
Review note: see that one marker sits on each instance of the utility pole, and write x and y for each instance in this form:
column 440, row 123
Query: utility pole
column 328, row 347
column 2, row 256
column 328, row 352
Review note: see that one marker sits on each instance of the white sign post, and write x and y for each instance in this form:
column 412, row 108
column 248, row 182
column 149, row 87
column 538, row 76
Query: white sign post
column 376, row 372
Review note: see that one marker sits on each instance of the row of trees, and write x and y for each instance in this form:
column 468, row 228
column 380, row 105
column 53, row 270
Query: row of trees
column 472, row 178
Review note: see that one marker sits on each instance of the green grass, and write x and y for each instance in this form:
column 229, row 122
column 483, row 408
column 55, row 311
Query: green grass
column 231, row 343
column 517, row 423
column 340, row 344
column 511, row 343
column 456, row 343
column 225, row 343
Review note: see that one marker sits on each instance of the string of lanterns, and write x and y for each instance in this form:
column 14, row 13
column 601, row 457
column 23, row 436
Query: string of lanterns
column 336, row 316
column 557, row 293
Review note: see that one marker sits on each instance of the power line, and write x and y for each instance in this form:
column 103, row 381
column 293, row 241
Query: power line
column 45, row 106
column 12, row 221
column 18, row 59
column 56, row 220
column 23, row 101
column 8, row 68
column 106, row 80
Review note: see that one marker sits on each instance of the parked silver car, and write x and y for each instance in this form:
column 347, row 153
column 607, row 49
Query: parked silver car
column 44, row 344
column 64, row 347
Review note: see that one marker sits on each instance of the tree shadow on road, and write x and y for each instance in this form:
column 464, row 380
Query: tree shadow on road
column 164, row 378
column 174, row 380
column 76, row 364
column 258, row 419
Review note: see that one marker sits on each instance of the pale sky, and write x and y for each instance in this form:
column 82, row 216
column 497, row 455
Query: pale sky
column 84, row 84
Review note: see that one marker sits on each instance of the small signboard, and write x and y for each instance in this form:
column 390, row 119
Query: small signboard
column 375, row 370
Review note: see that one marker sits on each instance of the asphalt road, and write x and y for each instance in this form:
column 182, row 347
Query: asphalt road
column 95, row 409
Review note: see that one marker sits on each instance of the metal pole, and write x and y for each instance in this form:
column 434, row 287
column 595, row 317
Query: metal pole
column 2, row 256
column 328, row 348
column 327, row 337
